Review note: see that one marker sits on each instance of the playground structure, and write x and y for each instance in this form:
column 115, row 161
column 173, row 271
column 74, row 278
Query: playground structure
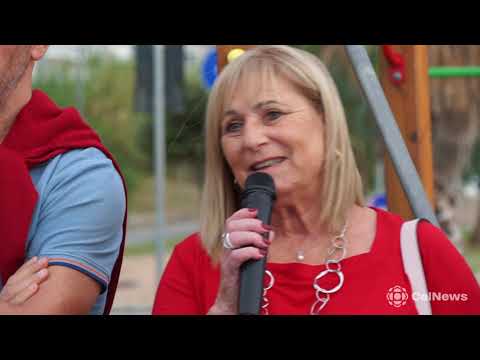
column 401, row 106
column 404, row 75
column 404, row 83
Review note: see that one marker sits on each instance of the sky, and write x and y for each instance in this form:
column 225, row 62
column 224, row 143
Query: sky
column 121, row 51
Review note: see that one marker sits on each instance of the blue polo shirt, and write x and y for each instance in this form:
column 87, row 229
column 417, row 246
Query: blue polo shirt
column 78, row 219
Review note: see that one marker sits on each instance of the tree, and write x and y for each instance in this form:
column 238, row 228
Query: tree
column 144, row 79
column 173, row 77
column 455, row 125
column 364, row 136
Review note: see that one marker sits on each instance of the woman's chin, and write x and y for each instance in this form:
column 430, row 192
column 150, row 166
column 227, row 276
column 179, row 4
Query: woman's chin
column 283, row 190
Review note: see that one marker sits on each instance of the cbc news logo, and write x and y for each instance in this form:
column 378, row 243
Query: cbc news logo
column 397, row 296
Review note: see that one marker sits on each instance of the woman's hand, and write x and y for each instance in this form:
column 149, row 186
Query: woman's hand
column 22, row 285
column 245, row 234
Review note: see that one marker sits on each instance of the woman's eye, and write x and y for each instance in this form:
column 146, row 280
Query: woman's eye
column 233, row 127
column 273, row 115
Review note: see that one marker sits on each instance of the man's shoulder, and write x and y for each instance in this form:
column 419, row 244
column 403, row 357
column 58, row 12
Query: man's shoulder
column 82, row 180
column 74, row 165
column 86, row 156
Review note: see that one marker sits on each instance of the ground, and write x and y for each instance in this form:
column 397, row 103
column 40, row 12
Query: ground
column 137, row 286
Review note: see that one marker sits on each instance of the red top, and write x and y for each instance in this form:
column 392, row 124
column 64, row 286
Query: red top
column 40, row 132
column 189, row 284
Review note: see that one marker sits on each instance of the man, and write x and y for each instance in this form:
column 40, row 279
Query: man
column 62, row 201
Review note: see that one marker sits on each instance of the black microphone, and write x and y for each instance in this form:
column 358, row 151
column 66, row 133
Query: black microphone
column 259, row 194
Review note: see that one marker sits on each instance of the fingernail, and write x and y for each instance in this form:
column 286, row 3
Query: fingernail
column 34, row 259
column 252, row 210
column 42, row 272
column 267, row 227
column 263, row 252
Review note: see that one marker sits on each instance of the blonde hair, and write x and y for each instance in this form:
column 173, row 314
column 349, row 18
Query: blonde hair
column 341, row 182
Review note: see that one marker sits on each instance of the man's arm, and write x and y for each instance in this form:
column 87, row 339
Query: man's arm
column 65, row 292
column 79, row 229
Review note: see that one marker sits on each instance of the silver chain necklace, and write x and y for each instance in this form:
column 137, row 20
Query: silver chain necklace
column 335, row 254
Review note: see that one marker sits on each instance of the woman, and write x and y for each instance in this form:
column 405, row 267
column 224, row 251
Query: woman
column 276, row 110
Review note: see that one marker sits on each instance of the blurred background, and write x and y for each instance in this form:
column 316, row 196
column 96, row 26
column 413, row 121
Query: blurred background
column 148, row 102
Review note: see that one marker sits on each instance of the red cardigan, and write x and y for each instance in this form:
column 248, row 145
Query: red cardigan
column 40, row 132
column 190, row 283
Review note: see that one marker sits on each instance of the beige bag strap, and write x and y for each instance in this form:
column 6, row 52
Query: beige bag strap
column 412, row 263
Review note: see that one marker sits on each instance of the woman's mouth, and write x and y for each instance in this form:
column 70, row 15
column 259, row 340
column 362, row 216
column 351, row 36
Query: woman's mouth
column 266, row 164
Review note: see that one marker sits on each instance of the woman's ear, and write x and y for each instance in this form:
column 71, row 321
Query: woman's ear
column 38, row 51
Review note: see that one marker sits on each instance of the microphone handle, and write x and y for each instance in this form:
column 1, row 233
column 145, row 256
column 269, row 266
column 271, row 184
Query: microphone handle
column 252, row 271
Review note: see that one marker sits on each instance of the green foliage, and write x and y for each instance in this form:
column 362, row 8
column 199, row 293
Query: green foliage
column 184, row 130
column 109, row 108
column 473, row 170
column 108, row 93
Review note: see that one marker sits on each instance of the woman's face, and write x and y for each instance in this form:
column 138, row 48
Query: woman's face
column 274, row 129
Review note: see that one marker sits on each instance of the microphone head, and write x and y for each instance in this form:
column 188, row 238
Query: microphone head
column 260, row 181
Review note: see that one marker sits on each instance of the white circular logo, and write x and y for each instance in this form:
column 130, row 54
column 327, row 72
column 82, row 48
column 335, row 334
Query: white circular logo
column 397, row 296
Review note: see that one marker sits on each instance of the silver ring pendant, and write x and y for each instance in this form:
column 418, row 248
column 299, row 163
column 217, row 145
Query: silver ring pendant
column 333, row 290
column 343, row 253
column 272, row 280
column 320, row 304
column 336, row 262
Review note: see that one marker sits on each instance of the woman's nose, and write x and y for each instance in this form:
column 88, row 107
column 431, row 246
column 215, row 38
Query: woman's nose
column 254, row 135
